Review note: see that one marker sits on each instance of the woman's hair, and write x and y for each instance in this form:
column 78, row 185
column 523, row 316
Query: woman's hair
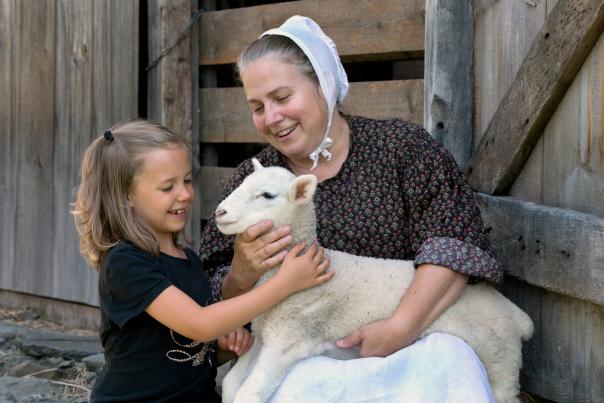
column 284, row 48
column 280, row 46
column 110, row 166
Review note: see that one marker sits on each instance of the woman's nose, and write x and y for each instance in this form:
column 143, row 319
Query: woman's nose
column 273, row 115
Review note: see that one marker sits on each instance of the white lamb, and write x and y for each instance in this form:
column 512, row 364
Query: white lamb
column 308, row 323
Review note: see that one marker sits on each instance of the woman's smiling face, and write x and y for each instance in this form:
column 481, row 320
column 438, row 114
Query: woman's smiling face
column 288, row 109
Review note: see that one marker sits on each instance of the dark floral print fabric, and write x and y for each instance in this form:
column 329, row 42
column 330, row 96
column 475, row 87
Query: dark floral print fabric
column 399, row 195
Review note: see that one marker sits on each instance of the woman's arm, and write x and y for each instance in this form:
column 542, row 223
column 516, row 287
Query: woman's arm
column 177, row 311
column 433, row 289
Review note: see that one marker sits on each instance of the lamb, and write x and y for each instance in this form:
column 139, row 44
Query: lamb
column 308, row 323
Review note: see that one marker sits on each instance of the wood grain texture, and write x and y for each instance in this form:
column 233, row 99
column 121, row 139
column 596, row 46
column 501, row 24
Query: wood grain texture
column 212, row 180
column 28, row 192
column 8, row 25
column 369, row 30
column 574, row 142
column 97, row 81
column 449, row 99
column 561, row 47
column 74, row 73
column 556, row 249
column 173, row 83
column 504, row 32
column 564, row 360
column 226, row 117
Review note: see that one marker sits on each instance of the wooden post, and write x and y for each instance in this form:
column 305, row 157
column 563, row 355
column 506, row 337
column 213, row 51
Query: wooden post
column 173, row 82
column 448, row 75
column 208, row 79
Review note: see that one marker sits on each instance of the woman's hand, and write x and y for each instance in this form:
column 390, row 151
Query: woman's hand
column 381, row 338
column 433, row 289
column 300, row 271
column 257, row 250
column 238, row 341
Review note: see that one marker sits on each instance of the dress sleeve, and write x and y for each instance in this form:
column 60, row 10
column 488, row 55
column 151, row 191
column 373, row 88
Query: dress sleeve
column 130, row 280
column 444, row 223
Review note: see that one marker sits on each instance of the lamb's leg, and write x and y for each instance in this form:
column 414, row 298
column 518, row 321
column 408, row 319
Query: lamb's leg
column 236, row 376
column 504, row 381
column 270, row 368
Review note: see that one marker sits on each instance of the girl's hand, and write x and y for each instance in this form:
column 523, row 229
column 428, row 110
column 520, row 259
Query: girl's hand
column 238, row 341
column 257, row 250
column 301, row 271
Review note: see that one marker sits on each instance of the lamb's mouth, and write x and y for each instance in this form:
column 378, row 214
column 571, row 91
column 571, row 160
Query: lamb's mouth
column 223, row 225
column 285, row 132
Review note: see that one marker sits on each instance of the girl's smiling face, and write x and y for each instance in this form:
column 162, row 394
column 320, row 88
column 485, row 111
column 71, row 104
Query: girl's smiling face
column 163, row 192
column 288, row 109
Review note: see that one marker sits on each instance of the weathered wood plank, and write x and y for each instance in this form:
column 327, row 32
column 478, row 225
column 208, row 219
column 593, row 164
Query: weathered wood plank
column 561, row 47
column 574, row 142
column 171, row 89
column 69, row 314
column 8, row 162
column 30, row 182
column 564, row 360
column 367, row 30
column 226, row 117
column 211, row 182
column 555, row 249
column 504, row 32
column 448, row 75
column 97, row 83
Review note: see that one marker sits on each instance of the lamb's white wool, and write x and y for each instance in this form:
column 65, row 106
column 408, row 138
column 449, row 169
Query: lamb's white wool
column 308, row 323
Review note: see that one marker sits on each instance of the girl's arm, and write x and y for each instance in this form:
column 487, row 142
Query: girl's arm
column 176, row 310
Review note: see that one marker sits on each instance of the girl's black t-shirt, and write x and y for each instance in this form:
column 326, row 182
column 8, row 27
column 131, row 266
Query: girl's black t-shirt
column 145, row 360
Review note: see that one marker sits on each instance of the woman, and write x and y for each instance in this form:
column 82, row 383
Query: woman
column 387, row 189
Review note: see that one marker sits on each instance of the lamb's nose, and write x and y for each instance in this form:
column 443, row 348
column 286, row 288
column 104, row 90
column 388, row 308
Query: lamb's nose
column 219, row 212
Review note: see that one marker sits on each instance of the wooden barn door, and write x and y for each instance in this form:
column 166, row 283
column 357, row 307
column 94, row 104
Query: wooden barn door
column 539, row 161
column 68, row 70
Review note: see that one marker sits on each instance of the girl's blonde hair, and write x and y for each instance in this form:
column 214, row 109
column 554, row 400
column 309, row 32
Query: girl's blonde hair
column 109, row 170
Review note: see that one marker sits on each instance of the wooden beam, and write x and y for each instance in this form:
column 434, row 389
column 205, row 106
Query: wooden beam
column 211, row 182
column 566, row 39
column 225, row 116
column 448, row 72
column 173, row 81
column 365, row 30
column 556, row 249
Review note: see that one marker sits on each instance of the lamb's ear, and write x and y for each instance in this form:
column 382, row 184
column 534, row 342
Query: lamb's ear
column 302, row 189
column 257, row 165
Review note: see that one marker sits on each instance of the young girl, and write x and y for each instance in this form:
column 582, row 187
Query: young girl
column 157, row 325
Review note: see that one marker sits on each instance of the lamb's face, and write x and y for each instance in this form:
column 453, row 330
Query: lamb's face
column 271, row 193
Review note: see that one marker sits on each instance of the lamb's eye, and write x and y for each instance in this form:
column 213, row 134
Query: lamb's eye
column 267, row 195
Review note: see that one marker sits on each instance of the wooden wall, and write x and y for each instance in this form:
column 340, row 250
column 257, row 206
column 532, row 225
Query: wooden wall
column 68, row 70
column 391, row 31
column 551, row 248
